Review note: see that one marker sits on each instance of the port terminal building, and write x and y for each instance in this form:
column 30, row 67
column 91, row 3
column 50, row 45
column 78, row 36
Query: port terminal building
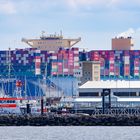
column 123, row 93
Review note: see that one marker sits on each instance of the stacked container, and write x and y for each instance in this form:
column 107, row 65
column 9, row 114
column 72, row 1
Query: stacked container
column 76, row 59
column 53, row 63
column 136, row 63
column 126, row 63
column 111, row 63
column 102, row 66
column 65, row 62
column 94, row 55
column 118, row 55
column 37, row 62
column 117, row 63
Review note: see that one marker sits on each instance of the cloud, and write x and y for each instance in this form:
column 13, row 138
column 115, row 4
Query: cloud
column 7, row 7
column 86, row 3
column 109, row 4
column 129, row 33
column 30, row 6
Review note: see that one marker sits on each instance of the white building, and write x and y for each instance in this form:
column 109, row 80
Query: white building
column 123, row 93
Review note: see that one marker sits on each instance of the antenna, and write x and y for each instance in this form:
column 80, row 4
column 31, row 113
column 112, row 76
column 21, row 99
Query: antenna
column 43, row 32
column 61, row 34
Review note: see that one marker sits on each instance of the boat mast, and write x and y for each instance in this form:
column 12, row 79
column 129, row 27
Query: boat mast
column 9, row 69
column 25, row 87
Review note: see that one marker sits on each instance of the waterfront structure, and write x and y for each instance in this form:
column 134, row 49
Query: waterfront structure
column 118, row 88
column 122, row 43
column 51, row 42
column 123, row 93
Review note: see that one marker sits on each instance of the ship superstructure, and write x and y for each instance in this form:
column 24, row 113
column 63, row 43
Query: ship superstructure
column 51, row 42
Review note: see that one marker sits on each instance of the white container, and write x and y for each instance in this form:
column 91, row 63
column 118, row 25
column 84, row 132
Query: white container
column 76, row 52
column 65, row 70
column 37, row 71
column 111, row 61
column 76, row 58
column 136, row 68
column 111, row 73
column 37, row 60
column 37, row 51
column 126, row 58
column 54, row 66
column 126, row 62
column 76, row 64
column 54, row 57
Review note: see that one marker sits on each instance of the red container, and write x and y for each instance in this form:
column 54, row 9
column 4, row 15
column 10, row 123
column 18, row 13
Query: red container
column 126, row 65
column 70, row 61
column 62, row 51
column 71, row 67
column 76, row 67
column 136, row 71
column 65, row 56
column 37, row 57
column 75, row 49
column 136, row 65
column 59, row 63
column 60, row 73
column 37, row 64
column 126, row 71
column 54, row 73
column 60, row 56
column 111, row 65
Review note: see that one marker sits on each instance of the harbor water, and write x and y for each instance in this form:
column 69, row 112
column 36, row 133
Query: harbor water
column 70, row 133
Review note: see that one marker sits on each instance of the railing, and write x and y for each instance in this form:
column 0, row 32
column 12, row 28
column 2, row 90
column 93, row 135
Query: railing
column 111, row 111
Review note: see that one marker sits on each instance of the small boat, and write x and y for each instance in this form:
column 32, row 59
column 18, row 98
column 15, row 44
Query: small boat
column 12, row 105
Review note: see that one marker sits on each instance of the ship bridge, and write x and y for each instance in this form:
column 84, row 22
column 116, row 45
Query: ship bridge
column 51, row 42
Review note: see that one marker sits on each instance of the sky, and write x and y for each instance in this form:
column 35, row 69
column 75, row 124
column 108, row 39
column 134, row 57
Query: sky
column 95, row 21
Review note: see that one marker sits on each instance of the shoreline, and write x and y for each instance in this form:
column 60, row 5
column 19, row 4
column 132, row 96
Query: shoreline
column 69, row 120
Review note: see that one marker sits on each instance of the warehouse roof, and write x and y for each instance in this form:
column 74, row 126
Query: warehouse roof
column 99, row 99
column 110, row 84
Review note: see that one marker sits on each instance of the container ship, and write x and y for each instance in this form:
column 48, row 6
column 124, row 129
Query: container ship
column 46, row 71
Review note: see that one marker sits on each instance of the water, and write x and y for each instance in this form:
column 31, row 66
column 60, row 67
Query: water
column 69, row 133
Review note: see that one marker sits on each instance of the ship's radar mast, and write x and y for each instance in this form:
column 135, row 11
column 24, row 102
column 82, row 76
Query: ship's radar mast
column 43, row 32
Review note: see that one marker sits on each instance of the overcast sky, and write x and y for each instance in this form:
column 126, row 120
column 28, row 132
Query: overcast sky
column 95, row 21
